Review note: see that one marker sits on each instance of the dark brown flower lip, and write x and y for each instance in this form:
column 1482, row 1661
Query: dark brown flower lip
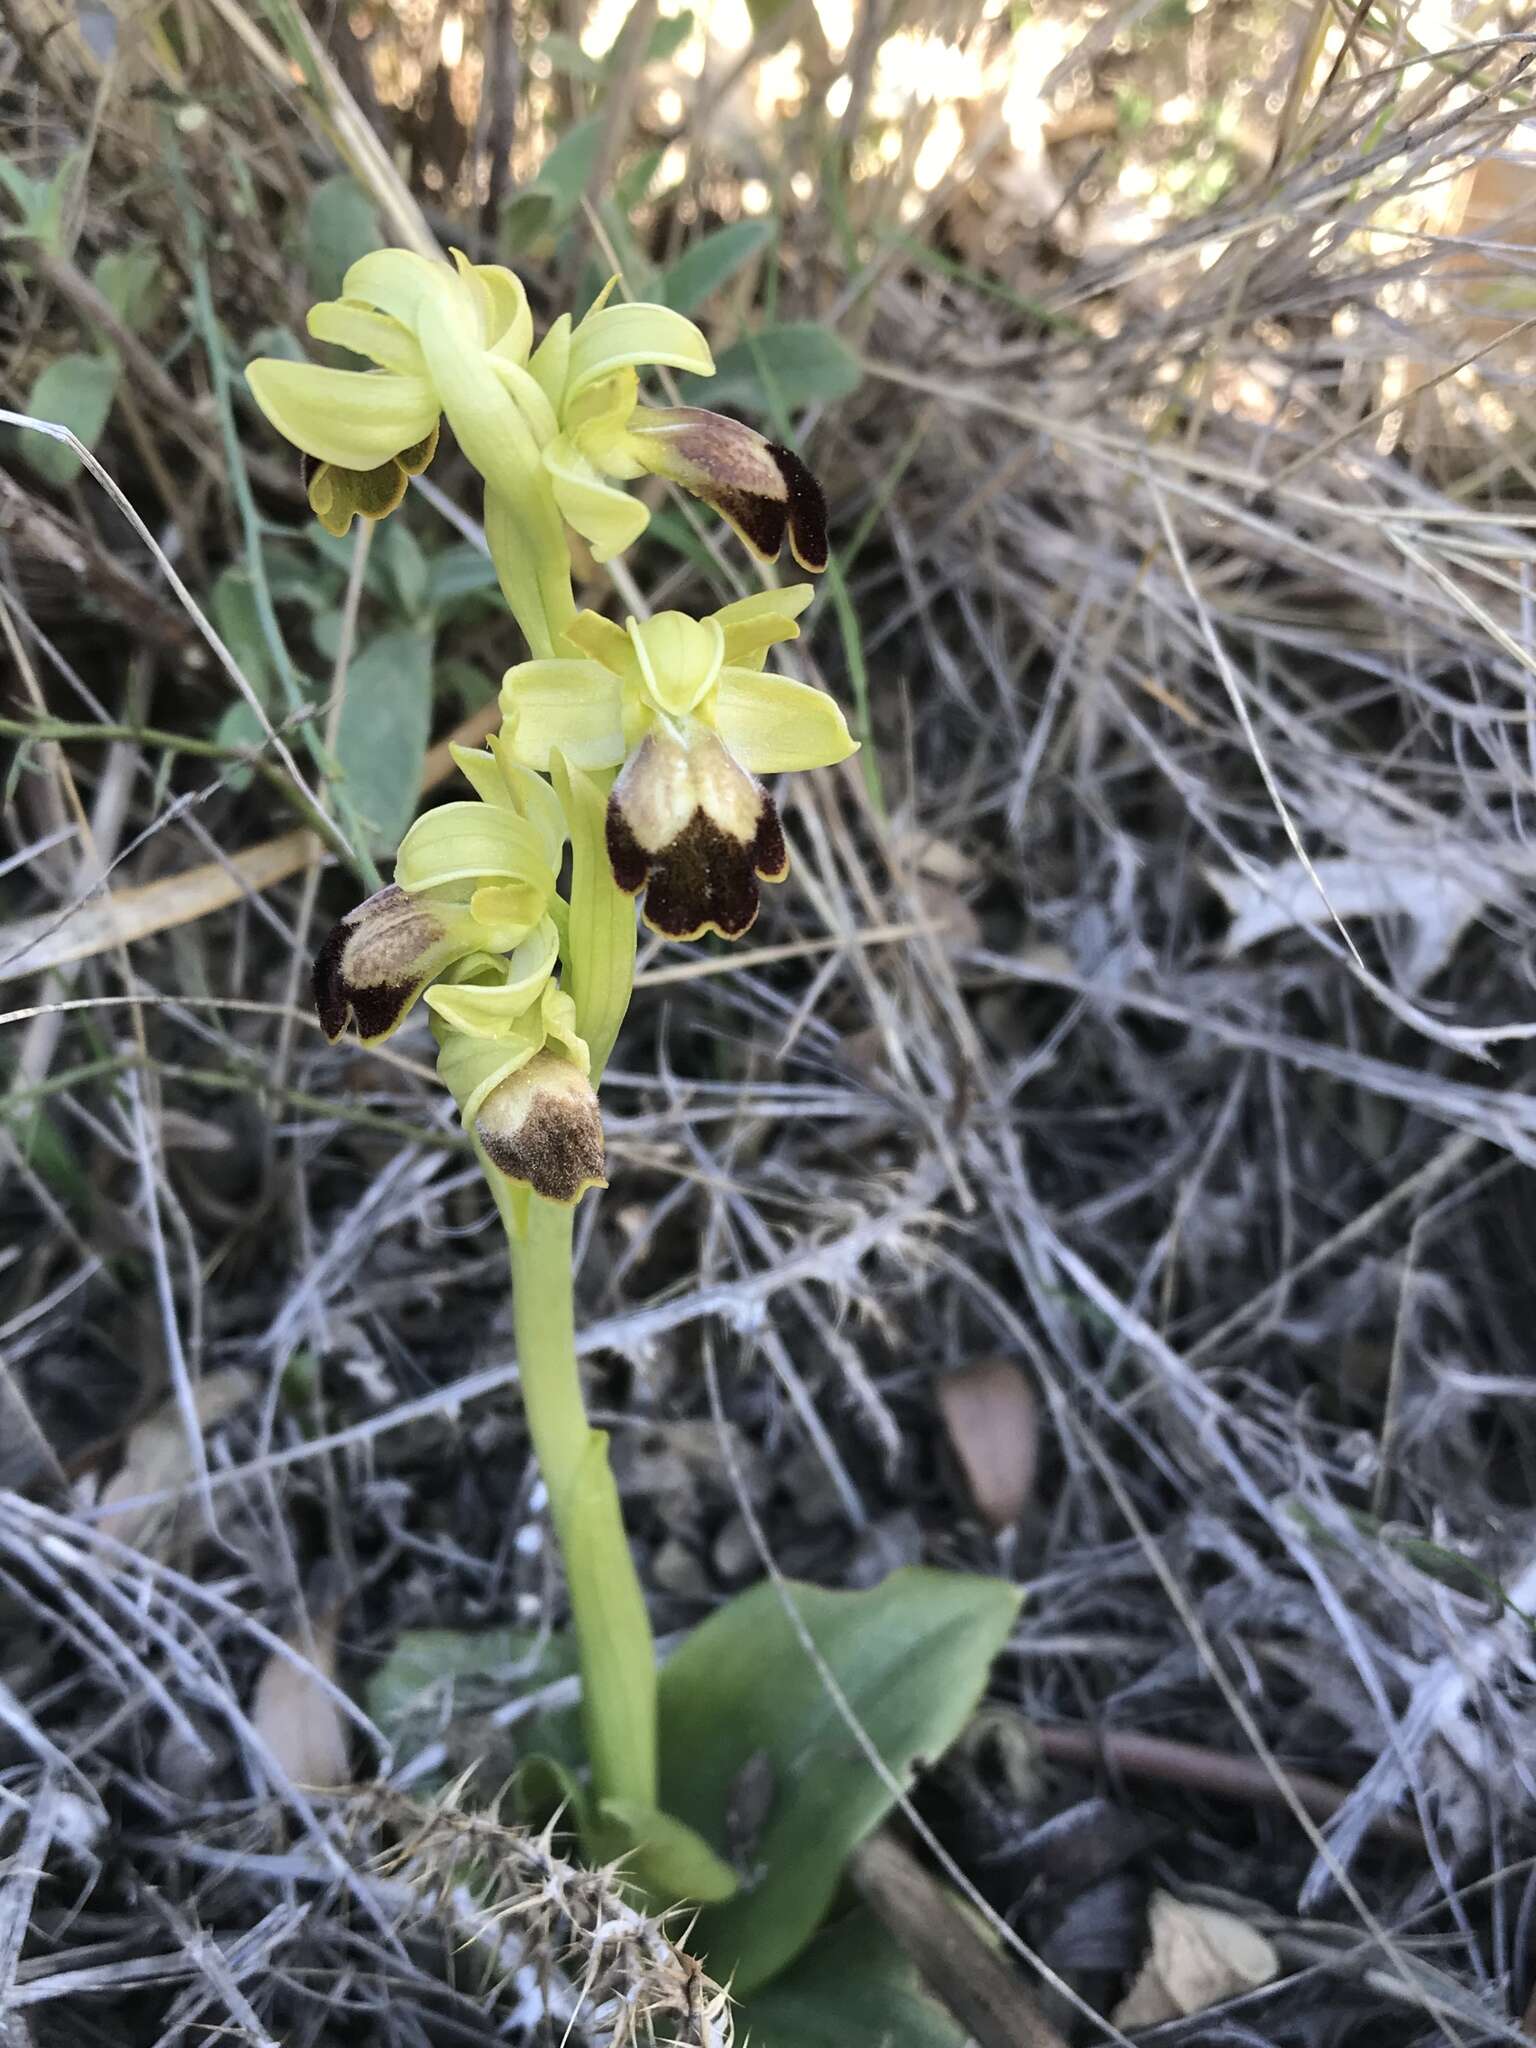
column 704, row 880
column 805, row 511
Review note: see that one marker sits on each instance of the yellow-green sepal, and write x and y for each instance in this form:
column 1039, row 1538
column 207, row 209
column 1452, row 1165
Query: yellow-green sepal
column 772, row 724
column 354, row 418
column 472, row 842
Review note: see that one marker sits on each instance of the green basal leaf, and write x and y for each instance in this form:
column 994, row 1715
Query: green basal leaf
column 854, row 1987
column 381, row 742
column 406, row 564
column 76, row 392
column 456, row 573
column 340, row 226
column 554, row 195
column 661, row 1854
column 910, row 1657
column 546, row 1791
column 232, row 607
column 435, row 1678
column 132, row 283
column 780, row 369
column 711, row 263
column 600, row 965
column 40, row 201
column 279, row 342
column 566, row 55
column 669, row 36
column 239, row 727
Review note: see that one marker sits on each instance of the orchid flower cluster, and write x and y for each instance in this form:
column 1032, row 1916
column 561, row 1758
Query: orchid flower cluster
column 640, row 746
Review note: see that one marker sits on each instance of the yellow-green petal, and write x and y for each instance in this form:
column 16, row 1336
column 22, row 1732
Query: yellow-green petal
column 754, row 624
column 606, row 641
column 607, row 519
column 348, row 323
column 354, row 418
column 551, row 360
column 770, row 723
column 469, row 843
column 527, row 393
column 573, row 705
column 510, row 333
column 558, row 1014
column 491, row 1009
column 626, row 337
column 679, row 658
column 487, row 421
column 597, row 418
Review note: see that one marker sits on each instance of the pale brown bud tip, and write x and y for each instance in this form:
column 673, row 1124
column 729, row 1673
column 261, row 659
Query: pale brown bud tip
column 543, row 1127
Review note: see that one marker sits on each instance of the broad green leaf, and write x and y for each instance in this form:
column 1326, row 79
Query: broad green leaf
column 406, row 564
column 669, row 36
column 565, row 171
column 232, row 607
column 459, row 684
column 910, row 1657
column 40, row 201
column 382, row 739
column 239, row 727
column 455, row 573
column 341, row 227
column 543, row 206
column 132, row 283
column 712, row 262
column 279, row 342
column 627, row 195
column 27, row 194
column 662, row 1854
column 854, row 1987
column 436, row 1676
column 781, row 368
column 233, row 610
column 76, row 391
column 566, row 55
column 325, row 630
column 600, row 963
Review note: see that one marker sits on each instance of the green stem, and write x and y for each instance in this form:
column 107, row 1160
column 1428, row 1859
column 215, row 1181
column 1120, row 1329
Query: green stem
column 615, row 1650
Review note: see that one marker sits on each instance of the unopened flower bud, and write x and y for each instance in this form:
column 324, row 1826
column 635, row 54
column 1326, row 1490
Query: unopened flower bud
column 543, row 1127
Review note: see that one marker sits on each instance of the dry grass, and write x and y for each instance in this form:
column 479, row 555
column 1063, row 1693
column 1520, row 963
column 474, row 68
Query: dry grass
column 1193, row 594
